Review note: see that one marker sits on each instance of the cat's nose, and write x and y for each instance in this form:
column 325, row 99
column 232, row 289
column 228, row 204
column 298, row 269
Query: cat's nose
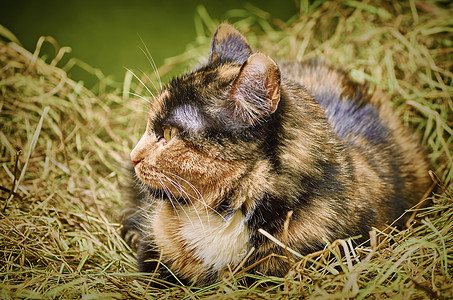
column 140, row 150
column 135, row 160
column 137, row 155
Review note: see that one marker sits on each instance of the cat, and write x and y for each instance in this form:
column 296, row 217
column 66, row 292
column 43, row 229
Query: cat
column 238, row 143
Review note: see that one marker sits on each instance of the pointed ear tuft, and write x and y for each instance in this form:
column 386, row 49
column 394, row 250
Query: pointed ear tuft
column 230, row 45
column 256, row 90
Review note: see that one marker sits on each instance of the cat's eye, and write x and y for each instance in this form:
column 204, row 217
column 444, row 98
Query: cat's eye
column 169, row 133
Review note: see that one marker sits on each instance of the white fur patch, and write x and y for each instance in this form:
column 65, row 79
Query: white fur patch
column 188, row 117
column 216, row 242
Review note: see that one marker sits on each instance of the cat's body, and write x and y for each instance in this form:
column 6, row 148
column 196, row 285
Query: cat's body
column 234, row 146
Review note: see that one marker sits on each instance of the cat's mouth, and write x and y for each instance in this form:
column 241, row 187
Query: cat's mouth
column 169, row 185
column 147, row 175
column 152, row 178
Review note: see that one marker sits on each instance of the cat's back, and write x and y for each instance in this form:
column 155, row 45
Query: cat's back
column 350, row 110
column 369, row 129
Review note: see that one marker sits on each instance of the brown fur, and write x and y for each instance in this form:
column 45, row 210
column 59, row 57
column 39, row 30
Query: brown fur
column 254, row 141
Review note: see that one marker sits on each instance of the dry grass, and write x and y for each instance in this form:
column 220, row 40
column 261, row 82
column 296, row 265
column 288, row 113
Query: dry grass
column 62, row 146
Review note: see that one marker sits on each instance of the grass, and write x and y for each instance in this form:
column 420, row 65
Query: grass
column 63, row 147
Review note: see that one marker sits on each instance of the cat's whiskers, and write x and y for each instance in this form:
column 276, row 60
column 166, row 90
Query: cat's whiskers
column 180, row 189
column 138, row 78
column 140, row 96
column 200, row 199
column 154, row 197
column 164, row 191
column 145, row 74
column 140, row 185
column 152, row 63
column 197, row 192
column 171, row 196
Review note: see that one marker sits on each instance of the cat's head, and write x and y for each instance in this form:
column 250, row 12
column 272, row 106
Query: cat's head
column 207, row 128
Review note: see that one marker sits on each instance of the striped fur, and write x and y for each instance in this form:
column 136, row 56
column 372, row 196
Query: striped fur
column 235, row 145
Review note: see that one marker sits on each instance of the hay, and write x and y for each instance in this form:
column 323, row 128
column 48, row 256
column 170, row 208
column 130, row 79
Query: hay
column 62, row 147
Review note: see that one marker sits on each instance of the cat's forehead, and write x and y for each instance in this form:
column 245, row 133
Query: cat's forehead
column 195, row 86
column 158, row 104
column 185, row 101
column 187, row 116
column 176, row 108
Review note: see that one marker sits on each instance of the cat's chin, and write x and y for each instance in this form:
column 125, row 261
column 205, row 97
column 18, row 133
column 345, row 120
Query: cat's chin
column 150, row 178
column 146, row 176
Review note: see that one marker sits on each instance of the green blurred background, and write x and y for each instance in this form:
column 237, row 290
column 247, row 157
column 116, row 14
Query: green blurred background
column 107, row 34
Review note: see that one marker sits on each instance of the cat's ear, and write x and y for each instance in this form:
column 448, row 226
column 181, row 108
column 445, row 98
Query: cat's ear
column 256, row 90
column 230, row 45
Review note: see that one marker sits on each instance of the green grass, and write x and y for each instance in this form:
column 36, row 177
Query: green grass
column 63, row 147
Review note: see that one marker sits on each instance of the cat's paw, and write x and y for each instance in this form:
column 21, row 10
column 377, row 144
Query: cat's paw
column 130, row 232
column 132, row 238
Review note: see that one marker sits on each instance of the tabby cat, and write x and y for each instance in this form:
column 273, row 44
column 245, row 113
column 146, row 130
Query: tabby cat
column 238, row 143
